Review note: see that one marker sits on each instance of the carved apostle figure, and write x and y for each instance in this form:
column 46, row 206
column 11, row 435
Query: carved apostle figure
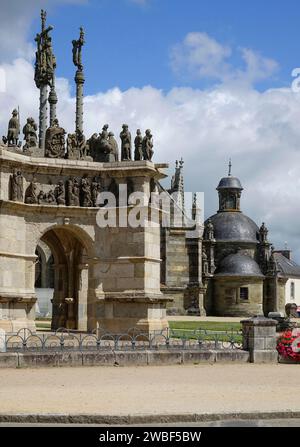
column 16, row 186
column 114, row 149
column 86, row 193
column 60, row 193
column 125, row 136
column 95, row 190
column 31, row 194
column 13, row 129
column 148, row 145
column 76, row 192
column 73, row 192
column 138, row 146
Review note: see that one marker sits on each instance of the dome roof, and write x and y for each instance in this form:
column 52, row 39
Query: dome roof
column 238, row 265
column 234, row 226
column 229, row 182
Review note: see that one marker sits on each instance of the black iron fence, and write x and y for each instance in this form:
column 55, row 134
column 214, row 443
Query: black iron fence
column 133, row 340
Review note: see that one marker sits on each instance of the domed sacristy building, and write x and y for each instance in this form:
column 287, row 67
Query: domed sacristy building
column 239, row 275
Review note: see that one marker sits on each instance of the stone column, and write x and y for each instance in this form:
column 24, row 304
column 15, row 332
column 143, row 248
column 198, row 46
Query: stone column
column 43, row 115
column 79, row 79
column 83, row 270
column 260, row 339
column 52, row 101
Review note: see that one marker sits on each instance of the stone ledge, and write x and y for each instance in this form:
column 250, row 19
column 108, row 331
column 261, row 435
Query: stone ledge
column 270, row 356
column 120, row 358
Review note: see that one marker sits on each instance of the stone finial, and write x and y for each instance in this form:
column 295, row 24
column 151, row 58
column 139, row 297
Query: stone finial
column 229, row 167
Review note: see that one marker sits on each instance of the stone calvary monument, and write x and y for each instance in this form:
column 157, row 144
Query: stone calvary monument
column 103, row 276
column 58, row 189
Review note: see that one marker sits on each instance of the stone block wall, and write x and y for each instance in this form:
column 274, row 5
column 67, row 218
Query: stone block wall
column 227, row 301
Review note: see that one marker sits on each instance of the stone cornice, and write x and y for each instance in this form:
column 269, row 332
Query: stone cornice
column 60, row 166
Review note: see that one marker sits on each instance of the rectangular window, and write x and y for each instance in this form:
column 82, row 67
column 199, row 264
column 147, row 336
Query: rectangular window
column 292, row 290
column 244, row 293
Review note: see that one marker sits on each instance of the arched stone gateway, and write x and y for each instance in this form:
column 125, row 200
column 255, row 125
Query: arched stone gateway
column 107, row 277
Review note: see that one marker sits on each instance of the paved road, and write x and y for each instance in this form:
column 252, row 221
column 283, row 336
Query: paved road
column 160, row 390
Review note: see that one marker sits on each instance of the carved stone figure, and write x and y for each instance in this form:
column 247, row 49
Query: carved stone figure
column 51, row 197
column 81, row 144
column 77, row 49
column 104, row 133
column 55, row 141
column 205, row 267
column 16, row 182
column 263, row 232
column 31, row 194
column 30, row 135
column 13, row 129
column 209, row 230
column 72, row 152
column 76, row 192
column 45, row 62
column 86, row 193
column 138, row 145
column 95, row 190
column 60, row 193
column 73, row 192
column 114, row 149
column 103, row 147
column 148, row 145
column 41, row 197
column 125, row 136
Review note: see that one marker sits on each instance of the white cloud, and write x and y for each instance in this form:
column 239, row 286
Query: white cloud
column 201, row 56
column 258, row 130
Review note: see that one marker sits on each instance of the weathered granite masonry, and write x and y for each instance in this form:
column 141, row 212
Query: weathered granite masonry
column 106, row 277
column 259, row 338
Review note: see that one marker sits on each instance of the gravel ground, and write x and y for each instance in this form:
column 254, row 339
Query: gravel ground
column 151, row 390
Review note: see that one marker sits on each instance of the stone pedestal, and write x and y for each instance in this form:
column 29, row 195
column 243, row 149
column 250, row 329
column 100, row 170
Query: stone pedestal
column 260, row 339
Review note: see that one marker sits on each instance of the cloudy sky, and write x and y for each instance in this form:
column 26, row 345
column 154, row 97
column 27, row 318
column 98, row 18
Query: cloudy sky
column 212, row 79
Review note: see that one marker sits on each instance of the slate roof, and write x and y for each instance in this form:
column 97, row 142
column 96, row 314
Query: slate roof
column 238, row 264
column 234, row 226
column 287, row 267
column 229, row 182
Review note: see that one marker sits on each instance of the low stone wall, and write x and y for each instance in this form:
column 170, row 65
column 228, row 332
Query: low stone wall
column 120, row 358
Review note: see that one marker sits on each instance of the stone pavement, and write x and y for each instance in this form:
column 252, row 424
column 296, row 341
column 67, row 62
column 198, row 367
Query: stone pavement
column 171, row 391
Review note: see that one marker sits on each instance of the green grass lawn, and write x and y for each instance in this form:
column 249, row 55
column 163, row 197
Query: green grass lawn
column 225, row 331
column 206, row 325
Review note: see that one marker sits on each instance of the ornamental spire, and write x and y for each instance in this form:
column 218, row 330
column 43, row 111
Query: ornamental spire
column 229, row 167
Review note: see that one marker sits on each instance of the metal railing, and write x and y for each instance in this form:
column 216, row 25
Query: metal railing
column 133, row 340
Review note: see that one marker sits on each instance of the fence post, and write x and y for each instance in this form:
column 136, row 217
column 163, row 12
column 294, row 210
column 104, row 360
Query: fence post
column 2, row 340
column 260, row 339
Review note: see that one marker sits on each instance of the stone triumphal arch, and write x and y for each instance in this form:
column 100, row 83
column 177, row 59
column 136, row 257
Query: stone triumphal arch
column 107, row 277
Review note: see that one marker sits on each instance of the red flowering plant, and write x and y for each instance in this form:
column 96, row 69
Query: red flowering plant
column 288, row 344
